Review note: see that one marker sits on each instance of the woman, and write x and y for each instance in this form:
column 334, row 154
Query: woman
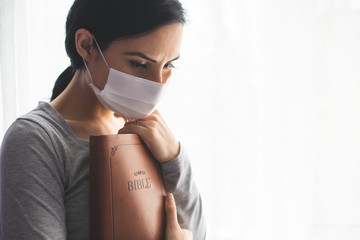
column 45, row 153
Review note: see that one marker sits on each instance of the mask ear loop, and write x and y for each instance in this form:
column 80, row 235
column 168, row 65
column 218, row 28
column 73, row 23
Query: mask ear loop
column 102, row 55
column 88, row 71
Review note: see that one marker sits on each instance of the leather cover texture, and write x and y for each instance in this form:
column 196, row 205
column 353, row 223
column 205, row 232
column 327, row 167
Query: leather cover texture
column 126, row 190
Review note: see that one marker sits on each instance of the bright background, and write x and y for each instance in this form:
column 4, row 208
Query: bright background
column 265, row 98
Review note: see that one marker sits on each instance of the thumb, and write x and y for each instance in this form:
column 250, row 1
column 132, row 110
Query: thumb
column 170, row 209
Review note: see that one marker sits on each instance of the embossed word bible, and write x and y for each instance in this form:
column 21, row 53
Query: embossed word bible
column 126, row 190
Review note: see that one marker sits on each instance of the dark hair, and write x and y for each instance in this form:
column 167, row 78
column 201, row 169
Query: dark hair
column 109, row 20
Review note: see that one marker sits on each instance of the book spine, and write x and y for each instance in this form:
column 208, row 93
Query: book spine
column 101, row 214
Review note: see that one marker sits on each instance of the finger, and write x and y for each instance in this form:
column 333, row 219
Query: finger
column 131, row 122
column 155, row 115
column 147, row 130
column 133, row 128
column 188, row 234
column 150, row 122
column 170, row 209
column 145, row 123
column 146, row 133
column 152, row 118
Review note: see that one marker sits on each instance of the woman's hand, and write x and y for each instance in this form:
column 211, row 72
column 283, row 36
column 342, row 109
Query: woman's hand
column 156, row 135
column 173, row 230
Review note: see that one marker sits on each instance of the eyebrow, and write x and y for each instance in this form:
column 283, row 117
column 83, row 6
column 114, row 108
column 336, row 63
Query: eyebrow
column 139, row 54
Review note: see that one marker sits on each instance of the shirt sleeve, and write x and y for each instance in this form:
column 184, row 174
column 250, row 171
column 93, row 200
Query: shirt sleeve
column 31, row 185
column 179, row 181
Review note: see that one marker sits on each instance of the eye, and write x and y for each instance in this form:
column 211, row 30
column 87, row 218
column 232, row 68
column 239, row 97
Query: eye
column 137, row 64
column 169, row 65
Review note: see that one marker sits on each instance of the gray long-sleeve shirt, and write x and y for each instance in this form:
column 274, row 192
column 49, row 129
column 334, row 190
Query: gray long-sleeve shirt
column 44, row 181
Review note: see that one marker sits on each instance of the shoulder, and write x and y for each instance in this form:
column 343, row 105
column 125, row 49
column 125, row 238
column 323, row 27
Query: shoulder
column 25, row 139
column 39, row 132
column 29, row 128
column 42, row 124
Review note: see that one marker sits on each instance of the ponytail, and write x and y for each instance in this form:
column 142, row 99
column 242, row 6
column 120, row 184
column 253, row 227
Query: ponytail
column 62, row 82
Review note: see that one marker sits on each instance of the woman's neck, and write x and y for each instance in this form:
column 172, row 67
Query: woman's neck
column 83, row 111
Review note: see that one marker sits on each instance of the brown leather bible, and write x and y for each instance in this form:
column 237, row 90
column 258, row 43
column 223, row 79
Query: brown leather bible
column 126, row 190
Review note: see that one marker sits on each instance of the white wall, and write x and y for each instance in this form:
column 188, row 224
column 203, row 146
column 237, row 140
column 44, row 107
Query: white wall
column 269, row 111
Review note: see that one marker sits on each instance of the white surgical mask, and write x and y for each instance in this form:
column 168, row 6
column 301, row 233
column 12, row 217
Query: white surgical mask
column 127, row 95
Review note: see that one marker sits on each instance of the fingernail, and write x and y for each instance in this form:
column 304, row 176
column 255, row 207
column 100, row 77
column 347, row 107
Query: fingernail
column 170, row 198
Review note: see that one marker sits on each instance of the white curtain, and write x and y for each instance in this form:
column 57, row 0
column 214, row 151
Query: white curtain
column 32, row 54
column 265, row 98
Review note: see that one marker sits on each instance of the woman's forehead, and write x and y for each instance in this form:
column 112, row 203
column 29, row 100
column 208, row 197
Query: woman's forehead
column 163, row 41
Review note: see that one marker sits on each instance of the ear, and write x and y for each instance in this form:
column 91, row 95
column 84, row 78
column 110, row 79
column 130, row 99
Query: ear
column 84, row 41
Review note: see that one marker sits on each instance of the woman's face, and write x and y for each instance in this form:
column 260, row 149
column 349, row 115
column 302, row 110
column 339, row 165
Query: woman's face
column 151, row 56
